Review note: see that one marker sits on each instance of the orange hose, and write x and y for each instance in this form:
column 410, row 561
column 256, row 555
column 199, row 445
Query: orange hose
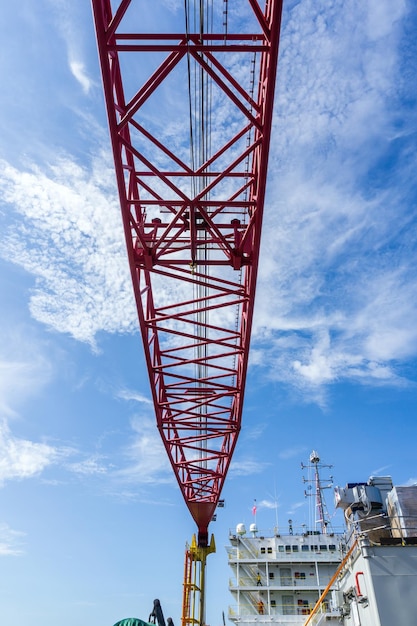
column 335, row 575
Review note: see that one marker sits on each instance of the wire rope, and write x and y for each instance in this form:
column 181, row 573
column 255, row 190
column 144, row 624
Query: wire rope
column 187, row 32
column 199, row 15
column 198, row 107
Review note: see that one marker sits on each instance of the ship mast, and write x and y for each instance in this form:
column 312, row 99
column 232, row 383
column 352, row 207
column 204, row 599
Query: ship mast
column 322, row 518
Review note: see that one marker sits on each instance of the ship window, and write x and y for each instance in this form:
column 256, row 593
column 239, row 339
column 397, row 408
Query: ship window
column 271, row 575
column 280, row 548
column 287, row 548
column 314, row 548
column 262, row 550
column 323, row 548
column 332, row 546
column 295, row 548
column 303, row 607
column 269, row 550
column 273, row 603
column 305, row 548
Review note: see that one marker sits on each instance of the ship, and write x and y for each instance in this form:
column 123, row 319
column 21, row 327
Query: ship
column 365, row 575
column 278, row 578
column 377, row 581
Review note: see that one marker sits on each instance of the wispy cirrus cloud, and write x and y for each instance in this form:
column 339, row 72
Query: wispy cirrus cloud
column 380, row 470
column 21, row 458
column 295, row 506
column 246, row 467
column 25, row 372
column 266, row 504
column 290, row 453
column 339, row 249
column 144, row 459
column 94, row 465
column 78, row 70
column 10, row 541
column 71, row 241
column 128, row 394
column 65, row 21
column 20, row 378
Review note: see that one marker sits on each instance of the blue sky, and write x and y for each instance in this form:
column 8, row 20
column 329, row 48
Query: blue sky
column 92, row 524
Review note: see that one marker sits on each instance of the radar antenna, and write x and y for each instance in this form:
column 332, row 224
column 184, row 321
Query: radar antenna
column 322, row 518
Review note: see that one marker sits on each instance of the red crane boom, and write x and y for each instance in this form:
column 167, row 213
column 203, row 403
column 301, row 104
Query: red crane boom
column 190, row 116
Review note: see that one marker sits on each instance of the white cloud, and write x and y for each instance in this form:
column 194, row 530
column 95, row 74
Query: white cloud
column 18, row 379
column 246, row 467
column 24, row 373
column 382, row 16
column 380, row 470
column 390, row 306
column 294, row 507
column 266, row 504
column 255, row 432
column 290, row 453
column 66, row 16
column 337, row 253
column 337, row 293
column 24, row 367
column 10, row 541
column 147, row 461
column 127, row 394
column 78, row 70
column 70, row 239
column 20, row 458
column 93, row 466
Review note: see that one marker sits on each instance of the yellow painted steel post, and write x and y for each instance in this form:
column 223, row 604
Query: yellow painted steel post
column 193, row 608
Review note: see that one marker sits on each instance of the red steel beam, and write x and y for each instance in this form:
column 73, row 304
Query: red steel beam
column 192, row 225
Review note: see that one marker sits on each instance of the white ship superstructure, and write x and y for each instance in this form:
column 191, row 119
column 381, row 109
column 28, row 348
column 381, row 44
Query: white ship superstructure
column 278, row 578
column 378, row 582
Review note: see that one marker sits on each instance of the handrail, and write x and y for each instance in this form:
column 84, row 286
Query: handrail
column 335, row 575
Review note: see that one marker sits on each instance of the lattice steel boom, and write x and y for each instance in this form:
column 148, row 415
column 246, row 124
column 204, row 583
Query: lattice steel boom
column 190, row 113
